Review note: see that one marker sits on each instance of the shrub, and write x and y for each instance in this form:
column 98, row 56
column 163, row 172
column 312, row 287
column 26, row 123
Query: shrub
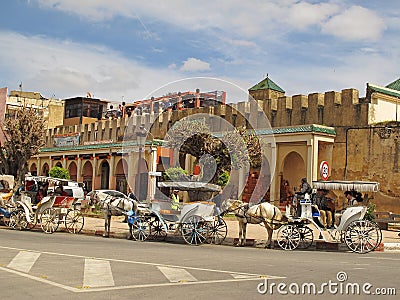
column 176, row 174
column 58, row 172
column 223, row 179
column 369, row 215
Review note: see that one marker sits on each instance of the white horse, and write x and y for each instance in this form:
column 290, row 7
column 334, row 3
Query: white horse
column 265, row 213
column 115, row 206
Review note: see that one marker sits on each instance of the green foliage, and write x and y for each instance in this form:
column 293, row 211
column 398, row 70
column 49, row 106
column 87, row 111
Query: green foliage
column 58, row 172
column 176, row 174
column 369, row 215
column 23, row 137
column 223, row 179
column 236, row 149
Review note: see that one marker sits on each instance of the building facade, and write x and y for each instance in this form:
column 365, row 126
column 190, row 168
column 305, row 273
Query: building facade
column 358, row 137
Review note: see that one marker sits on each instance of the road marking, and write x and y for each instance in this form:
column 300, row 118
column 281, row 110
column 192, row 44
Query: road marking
column 143, row 263
column 240, row 275
column 97, row 273
column 23, row 261
column 176, row 275
column 65, row 287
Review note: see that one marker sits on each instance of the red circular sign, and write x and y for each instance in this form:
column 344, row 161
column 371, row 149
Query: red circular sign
column 324, row 170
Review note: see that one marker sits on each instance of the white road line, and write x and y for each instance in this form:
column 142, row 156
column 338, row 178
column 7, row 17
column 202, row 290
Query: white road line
column 65, row 287
column 97, row 273
column 176, row 274
column 145, row 263
column 23, row 261
column 125, row 287
column 241, row 276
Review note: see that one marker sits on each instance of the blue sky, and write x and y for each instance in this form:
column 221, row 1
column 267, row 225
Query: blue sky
column 128, row 49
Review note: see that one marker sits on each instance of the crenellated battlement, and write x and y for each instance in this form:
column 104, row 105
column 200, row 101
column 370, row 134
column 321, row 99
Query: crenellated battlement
column 330, row 108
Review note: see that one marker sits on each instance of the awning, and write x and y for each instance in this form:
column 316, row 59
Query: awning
column 359, row 186
column 190, row 185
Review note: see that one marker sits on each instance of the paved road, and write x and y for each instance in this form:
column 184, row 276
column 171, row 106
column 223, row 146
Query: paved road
column 65, row 266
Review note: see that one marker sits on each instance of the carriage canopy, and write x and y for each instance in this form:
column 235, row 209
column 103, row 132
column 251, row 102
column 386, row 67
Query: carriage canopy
column 360, row 186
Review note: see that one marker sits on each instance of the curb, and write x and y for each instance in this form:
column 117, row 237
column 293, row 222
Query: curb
column 318, row 245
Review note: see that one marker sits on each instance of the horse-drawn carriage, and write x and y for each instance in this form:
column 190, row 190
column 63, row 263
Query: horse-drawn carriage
column 198, row 222
column 51, row 209
column 359, row 234
column 7, row 205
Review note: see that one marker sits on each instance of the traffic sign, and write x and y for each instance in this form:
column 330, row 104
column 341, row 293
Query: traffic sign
column 324, row 170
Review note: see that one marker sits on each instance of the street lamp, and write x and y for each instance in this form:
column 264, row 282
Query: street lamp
column 141, row 134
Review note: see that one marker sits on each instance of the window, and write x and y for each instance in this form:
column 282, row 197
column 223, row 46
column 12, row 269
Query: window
column 91, row 110
column 73, row 110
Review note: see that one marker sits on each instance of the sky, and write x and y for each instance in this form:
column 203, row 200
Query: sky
column 125, row 50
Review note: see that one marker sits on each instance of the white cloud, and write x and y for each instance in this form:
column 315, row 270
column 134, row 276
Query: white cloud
column 302, row 14
column 246, row 19
column 193, row 64
column 355, row 23
column 67, row 69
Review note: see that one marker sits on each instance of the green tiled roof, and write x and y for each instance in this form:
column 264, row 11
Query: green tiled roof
column 100, row 146
column 298, row 129
column 384, row 90
column 395, row 85
column 266, row 84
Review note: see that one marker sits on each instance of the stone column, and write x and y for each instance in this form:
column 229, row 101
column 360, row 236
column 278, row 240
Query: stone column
column 131, row 171
column 274, row 187
column 310, row 160
column 79, row 170
column 152, row 179
column 112, row 183
column 94, row 166
column 64, row 162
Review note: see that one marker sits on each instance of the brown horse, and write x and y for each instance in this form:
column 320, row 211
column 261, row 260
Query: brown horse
column 265, row 213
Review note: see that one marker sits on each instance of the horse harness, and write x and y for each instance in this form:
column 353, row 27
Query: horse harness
column 115, row 207
column 241, row 212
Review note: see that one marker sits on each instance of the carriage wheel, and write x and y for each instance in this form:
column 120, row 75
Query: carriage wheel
column 157, row 230
column 194, row 230
column 288, row 237
column 74, row 221
column 362, row 236
column 306, row 237
column 141, row 229
column 49, row 220
column 217, row 231
column 17, row 219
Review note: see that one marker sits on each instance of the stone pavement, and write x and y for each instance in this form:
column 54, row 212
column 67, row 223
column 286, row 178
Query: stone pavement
column 256, row 235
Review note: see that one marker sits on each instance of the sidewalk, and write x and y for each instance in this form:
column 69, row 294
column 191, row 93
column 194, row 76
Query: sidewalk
column 256, row 235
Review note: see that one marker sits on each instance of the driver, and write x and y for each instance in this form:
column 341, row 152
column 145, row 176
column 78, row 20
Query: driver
column 305, row 188
column 321, row 202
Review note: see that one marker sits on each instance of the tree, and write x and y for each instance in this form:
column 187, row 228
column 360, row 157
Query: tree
column 233, row 150
column 23, row 137
column 58, row 172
